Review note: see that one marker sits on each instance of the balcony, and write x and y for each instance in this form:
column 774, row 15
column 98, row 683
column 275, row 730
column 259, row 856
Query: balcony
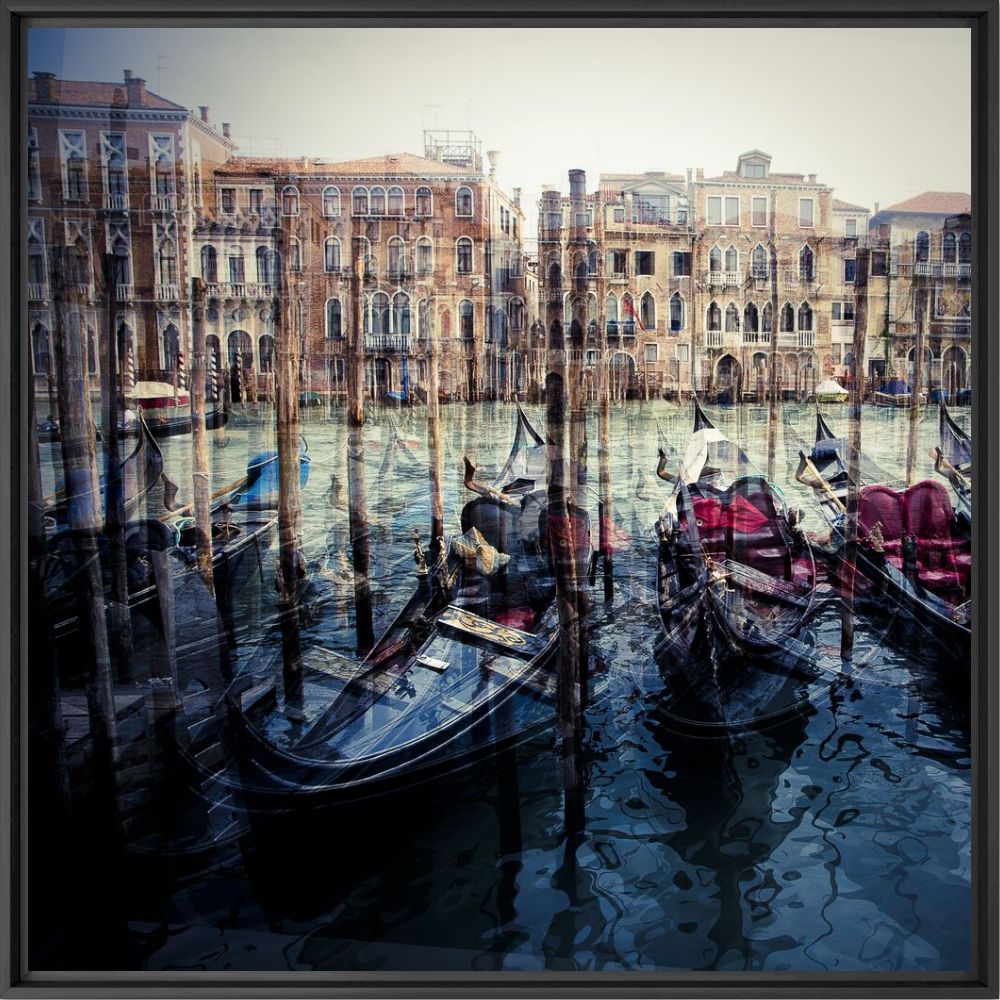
column 753, row 337
column 387, row 342
column 168, row 293
column 723, row 279
column 85, row 290
column 619, row 277
column 116, row 202
column 124, row 293
column 240, row 290
column 807, row 338
column 163, row 202
column 713, row 338
column 36, row 292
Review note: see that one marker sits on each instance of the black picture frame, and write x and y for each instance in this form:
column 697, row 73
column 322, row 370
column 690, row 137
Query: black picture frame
column 981, row 16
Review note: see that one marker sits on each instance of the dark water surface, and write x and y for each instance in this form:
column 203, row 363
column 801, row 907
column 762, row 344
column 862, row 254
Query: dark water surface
column 837, row 839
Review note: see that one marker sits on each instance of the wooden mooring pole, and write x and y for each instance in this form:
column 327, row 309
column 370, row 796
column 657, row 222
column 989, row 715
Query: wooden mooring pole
column 79, row 447
column 854, row 454
column 357, row 500
column 772, row 413
column 921, row 313
column 435, row 464
column 290, row 558
column 201, row 488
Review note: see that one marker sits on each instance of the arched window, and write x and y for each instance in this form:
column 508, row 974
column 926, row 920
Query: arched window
column 91, row 351
column 115, row 173
column 713, row 318
column 401, row 313
column 965, row 248
column 265, row 351
column 289, row 200
column 425, row 319
column 766, row 319
column 759, row 263
column 732, row 318
column 499, row 333
column 425, row 255
column 166, row 262
column 787, row 318
column 266, row 270
column 377, row 316
column 164, row 175
column 121, row 271
column 516, row 264
column 628, row 313
column 805, row 317
column 209, row 265
column 715, row 259
column 463, row 255
column 647, row 311
column 593, row 259
column 294, row 254
column 751, row 318
column 676, row 312
column 334, row 319
column 732, row 259
column 41, row 351
column 517, row 314
column 359, row 201
column 377, row 201
column 331, row 201
column 922, row 247
column 171, row 347
column 466, row 320
column 363, row 252
column 396, row 257
column 611, row 314
column 423, row 201
column 395, row 201
column 949, row 252
column 79, row 263
column 807, row 264
column 555, row 275
column 36, row 262
column 463, row 201
column 331, row 254
column 237, row 271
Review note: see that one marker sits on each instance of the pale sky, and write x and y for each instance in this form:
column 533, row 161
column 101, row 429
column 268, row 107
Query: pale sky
column 881, row 114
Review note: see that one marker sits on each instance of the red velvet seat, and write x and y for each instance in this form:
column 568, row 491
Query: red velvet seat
column 883, row 506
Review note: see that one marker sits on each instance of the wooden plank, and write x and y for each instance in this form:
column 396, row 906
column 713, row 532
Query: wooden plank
column 753, row 579
column 472, row 626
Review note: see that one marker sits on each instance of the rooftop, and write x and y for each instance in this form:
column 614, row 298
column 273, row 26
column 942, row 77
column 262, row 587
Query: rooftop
column 387, row 165
column 91, row 93
column 846, row 206
column 934, row 202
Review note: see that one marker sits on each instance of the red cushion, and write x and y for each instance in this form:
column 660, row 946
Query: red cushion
column 929, row 514
column 940, row 579
column 882, row 505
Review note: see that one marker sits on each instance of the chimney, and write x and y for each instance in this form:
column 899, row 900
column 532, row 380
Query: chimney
column 494, row 157
column 136, row 87
column 517, row 197
column 203, row 111
column 812, row 178
column 689, row 175
column 577, row 184
column 876, row 208
column 43, row 85
column 699, row 174
column 226, row 130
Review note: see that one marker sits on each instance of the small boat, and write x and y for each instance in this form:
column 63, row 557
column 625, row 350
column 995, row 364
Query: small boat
column 830, row 391
column 736, row 583
column 896, row 393
column 953, row 460
column 165, row 411
column 913, row 551
column 462, row 671
column 243, row 514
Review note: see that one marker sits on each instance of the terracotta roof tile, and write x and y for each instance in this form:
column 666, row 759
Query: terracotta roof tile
column 88, row 93
column 943, row 202
column 846, row 206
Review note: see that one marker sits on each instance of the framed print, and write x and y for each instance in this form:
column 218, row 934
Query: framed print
column 492, row 500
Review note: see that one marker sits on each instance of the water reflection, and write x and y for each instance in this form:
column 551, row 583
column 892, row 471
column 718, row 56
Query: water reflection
column 835, row 838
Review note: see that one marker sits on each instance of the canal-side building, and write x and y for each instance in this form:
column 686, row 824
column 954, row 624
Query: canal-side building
column 922, row 284
column 690, row 277
column 115, row 169
column 441, row 246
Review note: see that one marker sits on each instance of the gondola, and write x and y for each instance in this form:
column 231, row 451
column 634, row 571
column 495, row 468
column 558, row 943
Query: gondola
column 913, row 552
column 242, row 517
column 736, row 586
column 166, row 411
column 896, row 393
column 462, row 671
column 953, row 460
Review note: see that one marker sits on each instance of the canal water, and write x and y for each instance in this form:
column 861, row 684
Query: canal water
column 835, row 840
